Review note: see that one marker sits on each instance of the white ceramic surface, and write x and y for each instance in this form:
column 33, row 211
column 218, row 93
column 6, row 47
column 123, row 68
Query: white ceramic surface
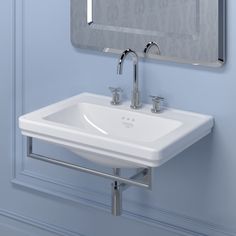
column 116, row 136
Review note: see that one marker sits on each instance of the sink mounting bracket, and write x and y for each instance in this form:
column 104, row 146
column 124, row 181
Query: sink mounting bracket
column 143, row 178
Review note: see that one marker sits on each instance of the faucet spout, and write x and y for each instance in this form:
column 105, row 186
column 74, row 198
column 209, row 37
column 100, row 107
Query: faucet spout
column 149, row 46
column 135, row 97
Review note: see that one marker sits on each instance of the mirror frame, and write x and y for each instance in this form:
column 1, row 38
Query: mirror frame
column 86, row 34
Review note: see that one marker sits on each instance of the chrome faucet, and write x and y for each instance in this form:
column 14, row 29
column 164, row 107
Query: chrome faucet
column 149, row 46
column 135, row 96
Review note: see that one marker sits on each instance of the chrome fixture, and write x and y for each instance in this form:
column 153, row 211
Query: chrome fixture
column 118, row 188
column 116, row 200
column 149, row 46
column 141, row 179
column 157, row 104
column 156, row 100
column 135, row 96
column 116, row 95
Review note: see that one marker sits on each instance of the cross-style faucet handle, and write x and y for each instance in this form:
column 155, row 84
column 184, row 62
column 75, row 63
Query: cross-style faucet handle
column 116, row 95
column 157, row 104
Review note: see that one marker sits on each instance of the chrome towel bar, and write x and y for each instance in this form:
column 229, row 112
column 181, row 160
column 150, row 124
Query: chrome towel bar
column 143, row 174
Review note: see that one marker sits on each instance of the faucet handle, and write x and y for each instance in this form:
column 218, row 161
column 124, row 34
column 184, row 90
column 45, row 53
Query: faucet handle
column 116, row 95
column 157, row 104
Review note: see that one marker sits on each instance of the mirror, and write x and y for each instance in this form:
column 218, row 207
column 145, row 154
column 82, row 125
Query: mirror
column 186, row 31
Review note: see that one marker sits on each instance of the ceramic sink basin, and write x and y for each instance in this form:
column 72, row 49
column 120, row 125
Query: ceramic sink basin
column 116, row 136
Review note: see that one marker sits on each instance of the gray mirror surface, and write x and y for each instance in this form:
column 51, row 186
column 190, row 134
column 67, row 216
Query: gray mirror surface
column 186, row 31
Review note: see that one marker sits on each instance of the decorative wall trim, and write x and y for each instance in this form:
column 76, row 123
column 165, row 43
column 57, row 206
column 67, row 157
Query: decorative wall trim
column 159, row 218
column 23, row 220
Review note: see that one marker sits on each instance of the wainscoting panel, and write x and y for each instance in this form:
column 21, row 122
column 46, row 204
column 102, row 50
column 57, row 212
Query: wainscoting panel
column 13, row 224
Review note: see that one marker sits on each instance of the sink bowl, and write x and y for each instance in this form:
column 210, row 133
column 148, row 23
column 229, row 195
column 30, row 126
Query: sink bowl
column 116, row 136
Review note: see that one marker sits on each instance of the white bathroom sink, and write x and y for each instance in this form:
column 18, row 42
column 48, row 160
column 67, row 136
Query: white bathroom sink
column 116, row 136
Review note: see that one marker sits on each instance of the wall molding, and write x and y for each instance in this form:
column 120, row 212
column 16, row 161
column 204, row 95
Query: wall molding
column 159, row 218
column 43, row 226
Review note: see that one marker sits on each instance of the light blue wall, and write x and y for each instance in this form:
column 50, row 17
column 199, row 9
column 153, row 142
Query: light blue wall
column 193, row 194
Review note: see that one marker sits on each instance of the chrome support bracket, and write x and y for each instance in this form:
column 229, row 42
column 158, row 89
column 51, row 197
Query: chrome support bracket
column 141, row 179
column 144, row 173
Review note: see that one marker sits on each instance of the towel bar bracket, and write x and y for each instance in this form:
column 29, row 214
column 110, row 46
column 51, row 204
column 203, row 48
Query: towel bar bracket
column 141, row 179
